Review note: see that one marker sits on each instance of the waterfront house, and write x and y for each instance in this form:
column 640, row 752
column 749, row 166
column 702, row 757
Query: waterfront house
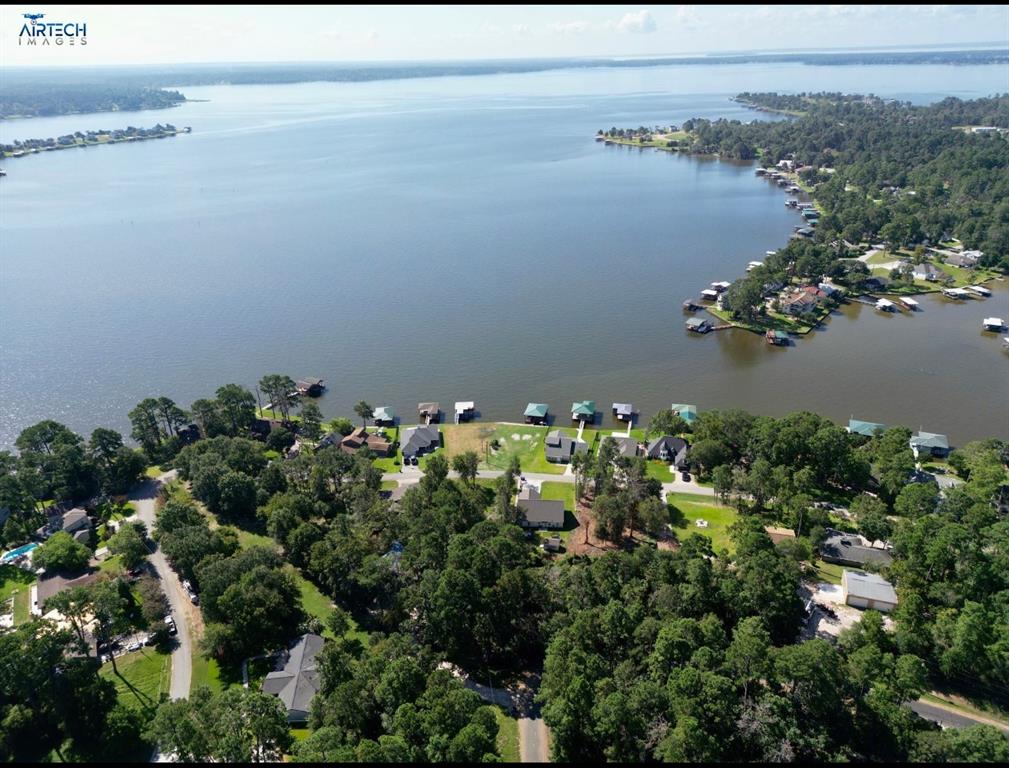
column 357, row 440
column 536, row 413
column 849, row 549
column 927, row 271
column 829, row 289
column 867, row 590
column 559, row 448
column 583, row 410
column 537, row 512
column 798, row 303
column 623, row 411
column 965, row 260
column 867, row 428
column 698, row 325
column 418, row 440
column 384, row 416
column 929, row 443
column 877, row 283
column 669, row 449
column 295, row 680
column 429, row 412
column 626, row 446
column 464, row 410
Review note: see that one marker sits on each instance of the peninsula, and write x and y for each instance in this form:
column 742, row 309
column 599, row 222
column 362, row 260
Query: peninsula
column 89, row 138
column 925, row 220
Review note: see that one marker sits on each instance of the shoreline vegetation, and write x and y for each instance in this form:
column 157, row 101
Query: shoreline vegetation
column 89, row 139
column 80, row 90
column 924, row 221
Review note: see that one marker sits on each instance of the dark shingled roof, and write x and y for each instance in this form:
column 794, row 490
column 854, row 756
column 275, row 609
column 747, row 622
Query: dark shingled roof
column 847, row 549
column 296, row 679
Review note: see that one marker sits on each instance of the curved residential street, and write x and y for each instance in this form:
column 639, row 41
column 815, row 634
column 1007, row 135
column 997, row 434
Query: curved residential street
column 182, row 660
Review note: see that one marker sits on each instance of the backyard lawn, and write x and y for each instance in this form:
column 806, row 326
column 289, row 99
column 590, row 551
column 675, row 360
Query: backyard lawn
column 525, row 443
column 564, row 492
column 685, row 509
column 143, row 677
column 16, row 582
column 828, row 572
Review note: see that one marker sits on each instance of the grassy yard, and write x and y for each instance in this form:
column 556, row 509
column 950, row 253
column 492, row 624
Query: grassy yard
column 16, row 583
column 206, row 672
column 563, row 492
column 508, row 736
column 828, row 572
column 525, row 443
column 113, row 565
column 390, row 485
column 661, row 471
column 250, row 539
column 143, row 677
column 153, row 471
column 685, row 509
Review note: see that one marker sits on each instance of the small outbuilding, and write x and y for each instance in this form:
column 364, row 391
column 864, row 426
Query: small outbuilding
column 867, row 590
column 583, row 410
column 384, row 416
column 536, row 413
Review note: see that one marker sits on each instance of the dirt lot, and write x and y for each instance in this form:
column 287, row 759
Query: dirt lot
column 819, row 624
column 597, row 546
column 459, row 438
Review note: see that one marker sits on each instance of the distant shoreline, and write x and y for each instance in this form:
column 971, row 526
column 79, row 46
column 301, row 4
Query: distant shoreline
column 102, row 138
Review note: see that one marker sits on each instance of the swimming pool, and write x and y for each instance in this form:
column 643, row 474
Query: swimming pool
column 16, row 553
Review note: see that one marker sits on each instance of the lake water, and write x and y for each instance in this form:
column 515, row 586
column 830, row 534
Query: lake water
column 448, row 239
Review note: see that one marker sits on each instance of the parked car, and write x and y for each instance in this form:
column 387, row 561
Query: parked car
column 187, row 586
column 134, row 646
column 169, row 619
column 172, row 630
column 105, row 658
column 685, row 477
column 149, row 640
column 194, row 598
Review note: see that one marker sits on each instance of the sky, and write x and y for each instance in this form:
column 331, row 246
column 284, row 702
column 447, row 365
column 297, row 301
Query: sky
column 192, row 34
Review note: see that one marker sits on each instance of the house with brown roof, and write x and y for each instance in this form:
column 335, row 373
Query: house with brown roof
column 357, row 440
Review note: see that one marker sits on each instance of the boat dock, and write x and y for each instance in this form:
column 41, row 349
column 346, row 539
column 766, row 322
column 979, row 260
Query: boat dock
column 956, row 293
column 980, row 290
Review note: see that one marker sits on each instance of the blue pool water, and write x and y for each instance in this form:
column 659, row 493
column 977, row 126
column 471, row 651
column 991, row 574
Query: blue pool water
column 16, row 553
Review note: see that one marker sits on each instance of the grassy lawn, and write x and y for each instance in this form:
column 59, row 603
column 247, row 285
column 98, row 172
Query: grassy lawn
column 300, row 734
column 660, row 471
column 143, row 677
column 249, row 539
column 508, row 736
column 828, row 572
column 153, row 471
column 318, row 605
column 685, row 509
column 16, row 583
column 206, row 672
column 563, row 492
column 525, row 443
column 389, row 485
column 113, row 564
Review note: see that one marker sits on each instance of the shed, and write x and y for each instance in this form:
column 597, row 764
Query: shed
column 867, row 590
column 428, row 412
column 583, row 410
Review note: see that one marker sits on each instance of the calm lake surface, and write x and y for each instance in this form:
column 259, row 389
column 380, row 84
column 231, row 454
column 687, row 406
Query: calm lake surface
column 448, row 239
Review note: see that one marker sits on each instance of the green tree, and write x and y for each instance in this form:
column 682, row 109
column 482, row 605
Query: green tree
column 237, row 408
column 466, row 464
column 129, row 542
column 311, row 421
column 282, row 392
column 61, row 554
column 666, row 422
column 365, row 411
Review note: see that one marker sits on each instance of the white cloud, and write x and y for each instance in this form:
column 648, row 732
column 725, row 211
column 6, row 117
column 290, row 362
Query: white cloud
column 571, row 27
column 640, row 22
column 520, row 29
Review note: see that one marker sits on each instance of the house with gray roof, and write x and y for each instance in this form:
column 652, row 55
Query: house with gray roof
column 560, row 448
column 626, row 446
column 672, row 450
column 417, row 440
column 848, row 549
column 538, row 512
column 867, row 590
column 295, row 680
column 867, row 428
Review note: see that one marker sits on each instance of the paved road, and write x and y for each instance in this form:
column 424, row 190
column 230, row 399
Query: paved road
column 182, row 660
column 411, row 475
column 948, row 717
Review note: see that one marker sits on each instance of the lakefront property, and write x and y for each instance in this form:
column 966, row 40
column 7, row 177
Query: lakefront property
column 205, row 561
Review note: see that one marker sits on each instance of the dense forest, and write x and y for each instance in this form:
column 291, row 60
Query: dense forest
column 681, row 653
column 47, row 99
